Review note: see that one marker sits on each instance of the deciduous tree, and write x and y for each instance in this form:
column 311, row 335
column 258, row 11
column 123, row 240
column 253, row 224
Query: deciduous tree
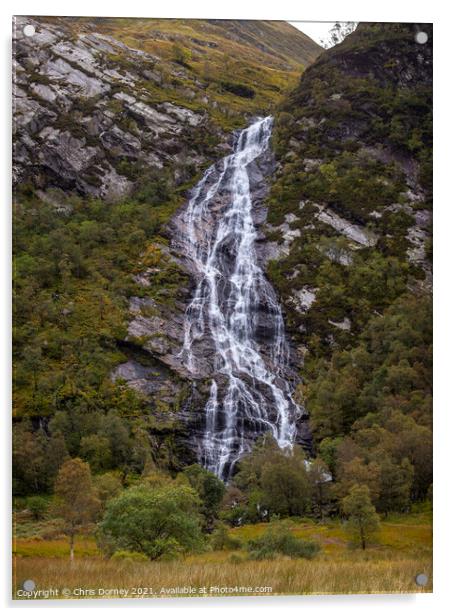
column 363, row 520
column 77, row 503
column 157, row 521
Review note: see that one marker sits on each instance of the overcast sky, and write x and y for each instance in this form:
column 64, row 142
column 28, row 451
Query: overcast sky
column 314, row 29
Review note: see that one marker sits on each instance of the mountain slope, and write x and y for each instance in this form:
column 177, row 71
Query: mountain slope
column 353, row 178
column 350, row 245
column 276, row 38
column 102, row 104
column 115, row 120
column 101, row 286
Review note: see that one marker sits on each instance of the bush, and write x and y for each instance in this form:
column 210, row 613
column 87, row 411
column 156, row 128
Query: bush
column 126, row 556
column 160, row 521
column 222, row 540
column 278, row 539
column 38, row 506
column 236, row 559
column 239, row 89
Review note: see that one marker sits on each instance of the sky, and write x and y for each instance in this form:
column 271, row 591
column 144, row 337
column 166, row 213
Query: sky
column 314, row 29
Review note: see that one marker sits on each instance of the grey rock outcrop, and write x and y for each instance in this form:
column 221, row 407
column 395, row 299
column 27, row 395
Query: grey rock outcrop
column 84, row 124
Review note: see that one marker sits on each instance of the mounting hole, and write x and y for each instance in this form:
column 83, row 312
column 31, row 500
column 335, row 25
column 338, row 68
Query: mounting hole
column 421, row 579
column 29, row 585
column 29, row 30
column 421, row 38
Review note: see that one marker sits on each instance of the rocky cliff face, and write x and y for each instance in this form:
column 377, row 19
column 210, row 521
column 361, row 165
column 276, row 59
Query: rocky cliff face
column 86, row 123
column 97, row 116
column 110, row 111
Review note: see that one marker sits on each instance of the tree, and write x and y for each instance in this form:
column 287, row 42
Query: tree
column 275, row 481
column 28, row 460
column 356, row 471
column 95, row 449
column 108, row 486
column 396, row 484
column 116, row 431
column 209, row 488
column 77, row 503
column 37, row 506
column 285, row 485
column 363, row 520
column 36, row 458
column 157, row 521
column 327, row 449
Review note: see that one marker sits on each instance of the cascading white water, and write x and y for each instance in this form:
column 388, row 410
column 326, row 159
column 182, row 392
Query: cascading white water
column 248, row 395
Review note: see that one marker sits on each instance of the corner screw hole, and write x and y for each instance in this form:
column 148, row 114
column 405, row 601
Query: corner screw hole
column 29, row 585
column 421, row 579
column 29, row 30
column 421, row 38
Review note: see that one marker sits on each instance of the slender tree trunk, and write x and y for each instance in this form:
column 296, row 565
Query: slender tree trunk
column 362, row 539
column 71, row 543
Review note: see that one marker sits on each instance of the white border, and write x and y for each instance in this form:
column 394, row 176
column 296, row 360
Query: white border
column 345, row 10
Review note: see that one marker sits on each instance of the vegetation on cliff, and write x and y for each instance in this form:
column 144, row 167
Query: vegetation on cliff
column 77, row 254
column 349, row 217
column 354, row 143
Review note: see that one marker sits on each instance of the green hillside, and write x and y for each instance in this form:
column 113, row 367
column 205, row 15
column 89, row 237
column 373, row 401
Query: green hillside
column 354, row 144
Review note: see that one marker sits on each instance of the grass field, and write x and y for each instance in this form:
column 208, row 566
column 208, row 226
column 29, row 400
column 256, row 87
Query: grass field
column 402, row 550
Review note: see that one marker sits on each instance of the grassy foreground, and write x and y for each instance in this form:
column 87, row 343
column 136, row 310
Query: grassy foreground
column 403, row 550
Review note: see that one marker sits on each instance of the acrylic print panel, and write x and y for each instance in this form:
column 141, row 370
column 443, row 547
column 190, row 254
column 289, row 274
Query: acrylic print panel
column 222, row 314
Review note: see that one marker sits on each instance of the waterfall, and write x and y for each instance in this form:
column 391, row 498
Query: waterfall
column 248, row 393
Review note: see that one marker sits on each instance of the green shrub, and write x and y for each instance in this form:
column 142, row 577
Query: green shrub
column 38, row 506
column 278, row 539
column 126, row 556
column 222, row 540
column 161, row 521
column 236, row 559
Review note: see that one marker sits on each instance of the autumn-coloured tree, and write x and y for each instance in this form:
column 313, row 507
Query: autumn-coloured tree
column 107, row 486
column 77, row 502
column 356, row 471
column 363, row 520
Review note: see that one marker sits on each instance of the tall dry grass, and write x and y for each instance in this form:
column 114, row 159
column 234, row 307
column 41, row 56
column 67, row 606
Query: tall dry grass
column 283, row 576
column 403, row 549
